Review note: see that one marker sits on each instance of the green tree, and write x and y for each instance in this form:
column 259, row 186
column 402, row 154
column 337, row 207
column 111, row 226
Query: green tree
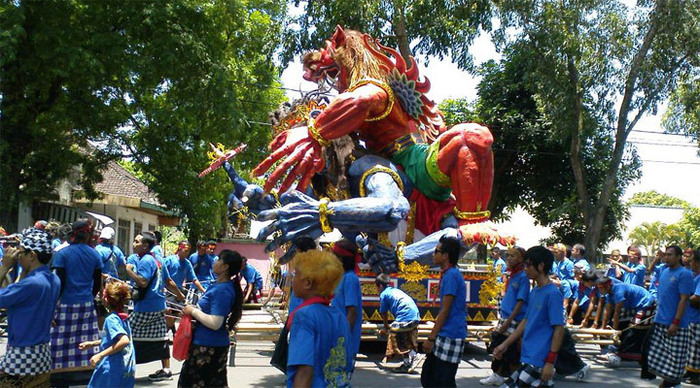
column 597, row 67
column 158, row 79
column 655, row 198
column 652, row 236
column 431, row 27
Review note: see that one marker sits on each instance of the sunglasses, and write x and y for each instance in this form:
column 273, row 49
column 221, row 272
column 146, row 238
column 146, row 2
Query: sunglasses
column 439, row 251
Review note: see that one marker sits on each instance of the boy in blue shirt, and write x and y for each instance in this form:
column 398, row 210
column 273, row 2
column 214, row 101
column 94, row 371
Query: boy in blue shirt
column 403, row 332
column 670, row 337
column 254, row 282
column 348, row 294
column 634, row 272
column 445, row 342
column 542, row 329
column 693, row 367
column 202, row 264
column 319, row 335
column 513, row 309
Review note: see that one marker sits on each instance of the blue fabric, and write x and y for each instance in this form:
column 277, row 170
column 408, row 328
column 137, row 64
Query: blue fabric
column 116, row 370
column 30, row 305
column 693, row 313
column 584, row 295
column 218, row 300
column 158, row 252
column 502, row 263
column 401, row 306
column 110, row 267
column 348, row 293
column 452, row 283
column 252, row 276
column 636, row 277
column 155, row 295
column 202, row 268
column 80, row 262
column 54, row 243
column 518, row 289
column 318, row 337
column 569, row 289
column 545, row 310
column 672, row 284
column 564, row 269
column 584, row 261
column 294, row 301
column 634, row 297
column 180, row 270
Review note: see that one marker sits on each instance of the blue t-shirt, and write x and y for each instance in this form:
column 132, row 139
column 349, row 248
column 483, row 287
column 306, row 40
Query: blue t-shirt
column 154, row 300
column 319, row 337
column 218, row 300
column 518, row 289
column 634, row 297
column 110, row 265
column 80, row 262
column 545, row 309
column 348, row 293
column 672, row 283
column 30, row 305
column 585, row 262
column 202, row 268
column 452, row 283
column 55, row 242
column 569, row 289
column 116, row 370
column 402, row 306
column 180, row 270
column 158, row 252
column 252, row 276
column 636, row 277
column 584, row 295
column 564, row 269
column 693, row 313
column 503, row 267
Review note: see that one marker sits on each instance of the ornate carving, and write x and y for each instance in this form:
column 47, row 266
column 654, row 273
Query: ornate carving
column 414, row 272
column 415, row 290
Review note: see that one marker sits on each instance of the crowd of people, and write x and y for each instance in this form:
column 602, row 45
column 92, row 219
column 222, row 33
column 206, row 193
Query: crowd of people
column 82, row 312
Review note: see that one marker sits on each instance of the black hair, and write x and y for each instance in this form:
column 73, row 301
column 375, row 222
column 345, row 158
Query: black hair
column 149, row 238
column 589, row 276
column 540, row 255
column 234, row 260
column 304, row 243
column 676, row 249
column 696, row 254
column 450, row 245
column 201, row 243
column 382, row 280
column 159, row 236
column 347, row 260
column 602, row 280
column 568, row 251
column 581, row 248
column 44, row 257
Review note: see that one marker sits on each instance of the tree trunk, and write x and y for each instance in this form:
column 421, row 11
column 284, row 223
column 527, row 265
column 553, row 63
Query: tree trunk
column 399, row 27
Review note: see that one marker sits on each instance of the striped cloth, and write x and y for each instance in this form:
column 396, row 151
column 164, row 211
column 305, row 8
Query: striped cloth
column 668, row 356
column 75, row 323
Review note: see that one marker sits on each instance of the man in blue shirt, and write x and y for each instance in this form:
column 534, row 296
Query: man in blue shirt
column 498, row 263
column 578, row 255
column 670, row 337
column 202, row 264
column 542, row 329
column 403, row 332
column 180, row 270
column 633, row 272
column 113, row 263
column 254, row 282
column 563, row 268
column 445, row 342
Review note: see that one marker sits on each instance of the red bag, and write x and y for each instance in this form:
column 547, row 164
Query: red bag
column 183, row 338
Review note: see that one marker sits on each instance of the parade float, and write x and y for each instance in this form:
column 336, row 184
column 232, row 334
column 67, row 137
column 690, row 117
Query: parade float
column 368, row 155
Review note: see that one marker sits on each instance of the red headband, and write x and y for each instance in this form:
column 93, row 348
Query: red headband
column 340, row 251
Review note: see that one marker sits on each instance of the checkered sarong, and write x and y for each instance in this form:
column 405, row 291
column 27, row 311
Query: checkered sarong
column 626, row 315
column 694, row 359
column 449, row 349
column 668, row 356
column 527, row 376
column 511, row 328
column 148, row 327
column 642, row 317
column 75, row 323
column 26, row 360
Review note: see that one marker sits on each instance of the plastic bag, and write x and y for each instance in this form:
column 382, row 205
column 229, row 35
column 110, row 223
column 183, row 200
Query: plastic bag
column 183, row 338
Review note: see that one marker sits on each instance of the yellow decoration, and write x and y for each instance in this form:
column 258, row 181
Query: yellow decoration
column 365, row 317
column 415, row 290
column 491, row 288
column 394, row 175
column 411, row 224
column 323, row 214
column 313, row 131
column 471, row 215
column 376, row 316
column 399, row 254
column 385, row 87
column 478, row 317
column 390, row 316
column 216, row 154
column 428, row 316
column 492, row 316
column 368, row 289
column 335, row 193
column 414, row 272
column 383, row 238
column 431, row 165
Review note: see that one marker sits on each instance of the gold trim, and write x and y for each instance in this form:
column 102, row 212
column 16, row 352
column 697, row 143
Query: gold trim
column 385, row 87
column 431, row 165
column 399, row 255
column 411, row 224
column 313, row 131
column 394, row 175
column 471, row 215
column 323, row 214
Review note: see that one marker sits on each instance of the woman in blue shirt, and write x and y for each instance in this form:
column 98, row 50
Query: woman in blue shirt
column 206, row 361
column 30, row 305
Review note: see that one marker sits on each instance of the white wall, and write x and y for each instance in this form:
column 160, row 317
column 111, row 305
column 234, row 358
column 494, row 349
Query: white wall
column 149, row 222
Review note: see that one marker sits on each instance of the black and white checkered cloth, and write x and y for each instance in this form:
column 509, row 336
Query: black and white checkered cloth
column 148, row 327
column 449, row 349
column 668, row 356
column 36, row 240
column 26, row 360
column 694, row 354
column 642, row 316
column 527, row 376
column 627, row 315
column 511, row 328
